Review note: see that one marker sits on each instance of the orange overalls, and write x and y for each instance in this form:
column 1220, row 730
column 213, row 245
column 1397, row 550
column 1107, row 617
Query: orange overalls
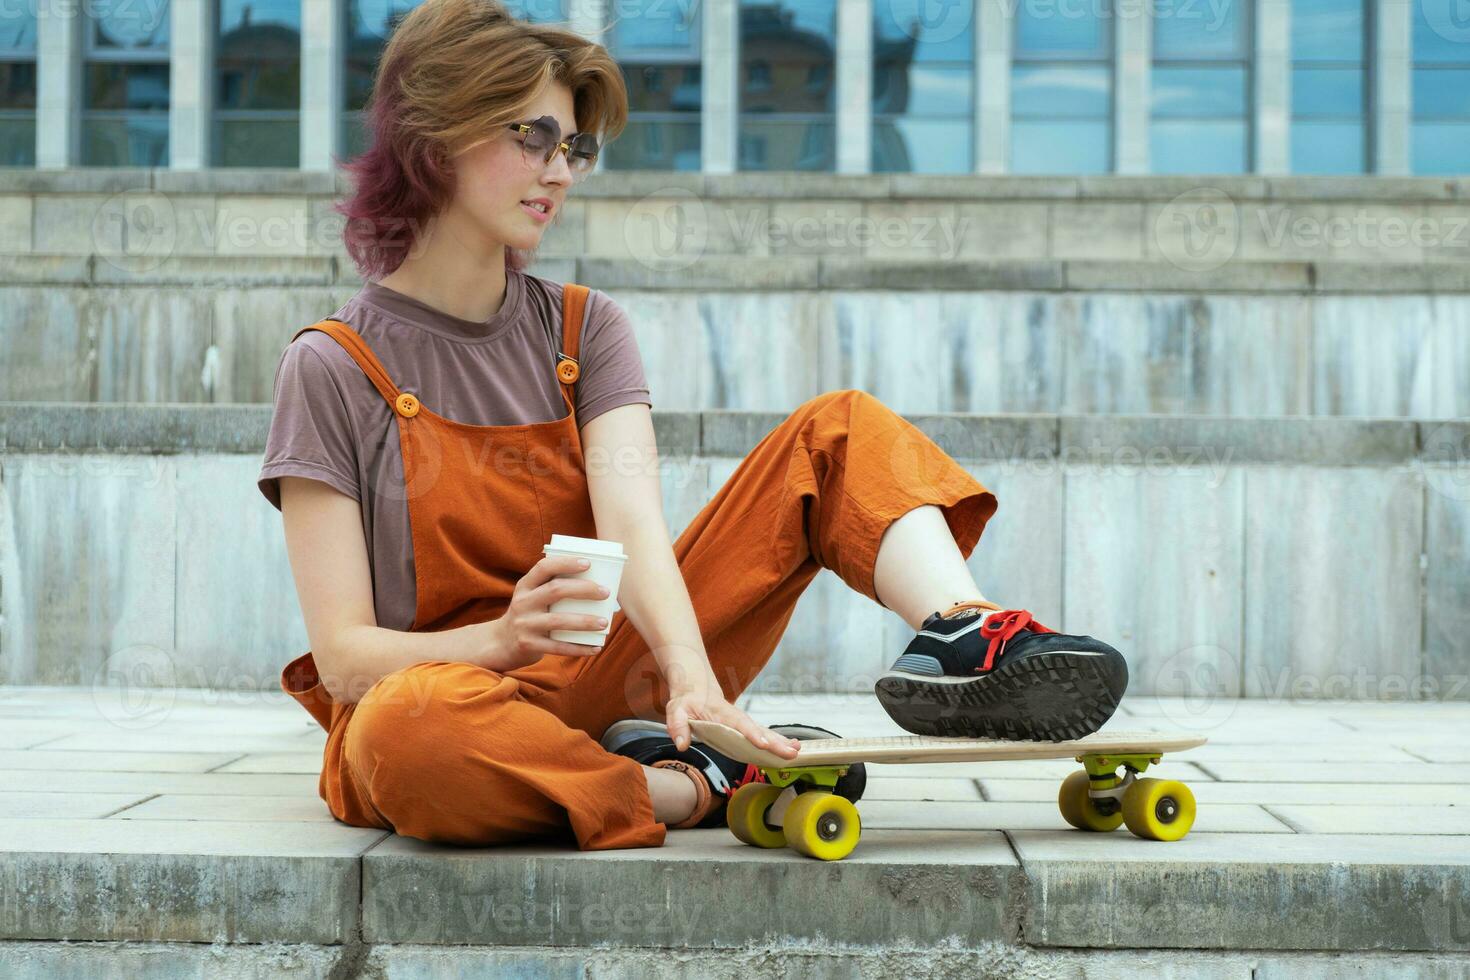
column 448, row 751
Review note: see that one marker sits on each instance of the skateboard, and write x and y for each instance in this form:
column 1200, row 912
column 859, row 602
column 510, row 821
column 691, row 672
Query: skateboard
column 797, row 808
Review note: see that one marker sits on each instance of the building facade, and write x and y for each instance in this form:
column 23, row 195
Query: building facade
column 846, row 86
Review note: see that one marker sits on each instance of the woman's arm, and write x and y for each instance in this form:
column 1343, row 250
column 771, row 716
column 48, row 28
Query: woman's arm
column 623, row 482
column 329, row 562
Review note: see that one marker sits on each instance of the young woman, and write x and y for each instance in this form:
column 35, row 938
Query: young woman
column 438, row 428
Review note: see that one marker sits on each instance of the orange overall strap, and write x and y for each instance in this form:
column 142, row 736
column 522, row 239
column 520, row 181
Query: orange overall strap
column 360, row 352
column 573, row 305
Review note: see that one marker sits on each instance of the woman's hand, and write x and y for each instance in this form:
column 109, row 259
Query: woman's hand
column 696, row 694
column 521, row 636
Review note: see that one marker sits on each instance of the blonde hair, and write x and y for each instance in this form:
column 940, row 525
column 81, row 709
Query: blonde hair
column 454, row 73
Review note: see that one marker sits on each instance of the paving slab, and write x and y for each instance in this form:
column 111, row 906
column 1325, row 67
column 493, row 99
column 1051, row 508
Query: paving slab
column 955, row 815
column 1338, row 772
column 55, row 761
column 899, row 886
column 1420, row 818
column 228, row 807
column 919, row 788
column 291, row 762
column 1246, row 891
column 92, row 781
column 51, row 806
column 195, row 881
column 1403, row 796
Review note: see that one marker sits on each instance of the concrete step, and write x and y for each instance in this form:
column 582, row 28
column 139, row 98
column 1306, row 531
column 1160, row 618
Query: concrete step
column 1210, row 550
column 932, row 879
column 766, row 334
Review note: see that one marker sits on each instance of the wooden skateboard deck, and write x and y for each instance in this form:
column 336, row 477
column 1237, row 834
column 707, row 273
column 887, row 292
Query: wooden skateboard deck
column 899, row 749
column 796, row 805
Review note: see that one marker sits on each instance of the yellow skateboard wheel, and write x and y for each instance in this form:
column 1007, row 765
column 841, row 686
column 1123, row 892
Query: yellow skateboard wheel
column 1158, row 809
column 822, row 825
column 1078, row 808
column 745, row 815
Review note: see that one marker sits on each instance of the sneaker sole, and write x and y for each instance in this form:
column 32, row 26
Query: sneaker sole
column 1050, row 697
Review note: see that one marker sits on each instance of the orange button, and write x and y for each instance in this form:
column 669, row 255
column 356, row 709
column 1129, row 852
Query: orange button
column 408, row 405
column 568, row 371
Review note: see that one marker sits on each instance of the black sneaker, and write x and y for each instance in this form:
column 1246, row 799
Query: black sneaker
column 647, row 742
column 1000, row 674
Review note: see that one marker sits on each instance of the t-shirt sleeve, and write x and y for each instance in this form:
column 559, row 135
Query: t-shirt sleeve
column 612, row 368
column 311, row 431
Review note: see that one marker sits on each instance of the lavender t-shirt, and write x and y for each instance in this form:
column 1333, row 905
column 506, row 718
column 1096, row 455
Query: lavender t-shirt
column 331, row 424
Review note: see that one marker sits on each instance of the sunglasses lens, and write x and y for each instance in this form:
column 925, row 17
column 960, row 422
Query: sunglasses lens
column 537, row 143
column 583, row 154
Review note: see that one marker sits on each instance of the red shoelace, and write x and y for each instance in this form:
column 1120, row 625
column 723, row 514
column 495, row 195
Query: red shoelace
column 752, row 775
column 1003, row 625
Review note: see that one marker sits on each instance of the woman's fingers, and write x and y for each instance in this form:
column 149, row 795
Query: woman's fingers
column 678, row 722
column 760, row 735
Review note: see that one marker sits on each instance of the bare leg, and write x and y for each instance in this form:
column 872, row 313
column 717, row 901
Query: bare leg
column 672, row 794
column 920, row 568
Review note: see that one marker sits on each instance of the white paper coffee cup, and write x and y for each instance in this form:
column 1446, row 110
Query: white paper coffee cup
column 605, row 567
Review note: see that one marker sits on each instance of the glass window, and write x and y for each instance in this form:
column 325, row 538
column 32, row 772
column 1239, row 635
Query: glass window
column 787, row 115
column 257, row 122
column 18, row 85
column 1201, row 88
column 1062, row 88
column 125, row 81
column 1329, row 87
column 369, row 23
column 658, row 48
column 923, row 87
column 1440, row 141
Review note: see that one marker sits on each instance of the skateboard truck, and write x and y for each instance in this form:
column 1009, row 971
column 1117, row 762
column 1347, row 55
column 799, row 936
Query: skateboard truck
column 1103, row 778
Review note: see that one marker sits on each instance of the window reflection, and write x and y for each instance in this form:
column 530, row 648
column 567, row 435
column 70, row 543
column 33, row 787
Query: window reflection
column 1440, row 141
column 18, row 86
column 1329, row 93
column 787, row 85
column 125, row 86
column 1062, row 88
column 1200, row 89
column 257, row 83
column 369, row 24
column 923, row 87
column 658, row 49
